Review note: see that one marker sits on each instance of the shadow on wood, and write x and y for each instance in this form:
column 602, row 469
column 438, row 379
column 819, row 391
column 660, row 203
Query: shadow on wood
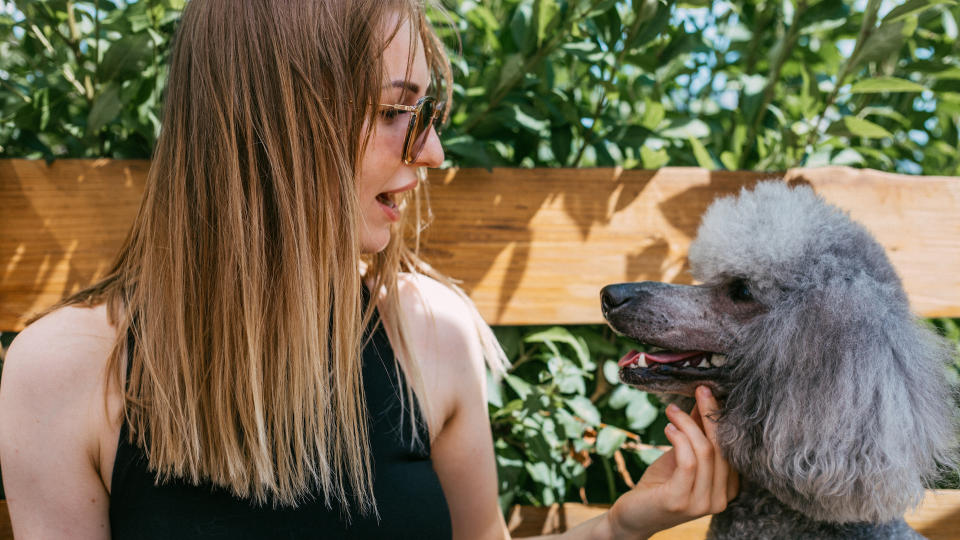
column 531, row 246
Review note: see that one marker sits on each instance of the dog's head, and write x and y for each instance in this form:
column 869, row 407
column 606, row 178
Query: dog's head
column 834, row 394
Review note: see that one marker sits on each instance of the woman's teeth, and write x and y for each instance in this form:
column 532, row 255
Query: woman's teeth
column 386, row 200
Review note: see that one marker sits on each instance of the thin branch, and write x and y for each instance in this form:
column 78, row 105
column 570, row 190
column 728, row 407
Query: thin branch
column 789, row 42
column 16, row 90
column 622, row 469
column 759, row 23
column 75, row 40
column 96, row 43
column 588, row 134
column 602, row 384
column 67, row 72
column 867, row 28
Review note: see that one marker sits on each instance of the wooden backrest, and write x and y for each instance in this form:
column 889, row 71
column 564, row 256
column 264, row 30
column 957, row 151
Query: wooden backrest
column 531, row 246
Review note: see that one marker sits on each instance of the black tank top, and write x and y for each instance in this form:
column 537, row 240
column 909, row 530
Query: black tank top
column 408, row 494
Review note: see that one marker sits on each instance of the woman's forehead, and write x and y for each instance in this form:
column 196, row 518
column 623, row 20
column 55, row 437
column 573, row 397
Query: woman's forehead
column 397, row 55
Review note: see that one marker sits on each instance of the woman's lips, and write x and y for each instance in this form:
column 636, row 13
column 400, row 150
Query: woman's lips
column 388, row 203
column 389, row 207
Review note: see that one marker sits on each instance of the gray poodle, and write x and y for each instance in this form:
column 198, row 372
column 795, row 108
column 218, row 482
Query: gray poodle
column 836, row 410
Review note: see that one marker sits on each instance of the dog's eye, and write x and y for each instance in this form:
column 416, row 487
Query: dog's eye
column 739, row 291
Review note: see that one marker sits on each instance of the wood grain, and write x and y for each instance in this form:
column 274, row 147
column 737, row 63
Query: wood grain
column 536, row 246
column 62, row 225
column 937, row 518
column 531, row 246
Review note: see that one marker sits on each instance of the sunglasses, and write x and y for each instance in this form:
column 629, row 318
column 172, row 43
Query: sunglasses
column 428, row 111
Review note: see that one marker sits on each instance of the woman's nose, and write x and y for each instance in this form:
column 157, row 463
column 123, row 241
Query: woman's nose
column 432, row 153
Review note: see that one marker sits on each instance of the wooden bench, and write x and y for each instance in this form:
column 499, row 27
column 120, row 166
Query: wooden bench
column 530, row 246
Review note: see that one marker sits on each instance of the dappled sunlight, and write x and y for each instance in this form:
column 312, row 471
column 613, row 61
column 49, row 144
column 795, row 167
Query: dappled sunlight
column 536, row 245
column 63, row 224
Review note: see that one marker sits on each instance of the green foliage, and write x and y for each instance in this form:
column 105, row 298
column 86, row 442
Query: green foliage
column 83, row 79
column 762, row 85
column 561, row 414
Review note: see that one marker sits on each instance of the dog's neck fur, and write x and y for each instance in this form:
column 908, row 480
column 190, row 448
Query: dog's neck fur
column 756, row 514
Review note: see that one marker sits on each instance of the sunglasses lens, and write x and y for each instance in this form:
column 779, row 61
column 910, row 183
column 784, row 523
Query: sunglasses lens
column 429, row 114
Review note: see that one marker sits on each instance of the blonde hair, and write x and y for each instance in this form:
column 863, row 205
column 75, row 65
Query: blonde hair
column 239, row 277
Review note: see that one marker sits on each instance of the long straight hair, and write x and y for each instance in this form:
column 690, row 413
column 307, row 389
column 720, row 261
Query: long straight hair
column 239, row 278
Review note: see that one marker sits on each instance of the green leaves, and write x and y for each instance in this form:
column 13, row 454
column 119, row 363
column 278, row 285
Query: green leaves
column 609, row 440
column 86, row 89
column 126, row 57
column 885, row 84
column 912, row 7
column 547, row 83
column 654, row 83
column 105, row 108
column 563, row 409
column 859, row 127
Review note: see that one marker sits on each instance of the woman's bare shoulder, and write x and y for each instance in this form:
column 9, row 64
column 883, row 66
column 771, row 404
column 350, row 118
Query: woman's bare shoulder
column 68, row 345
column 442, row 319
column 444, row 339
column 55, row 366
column 52, row 417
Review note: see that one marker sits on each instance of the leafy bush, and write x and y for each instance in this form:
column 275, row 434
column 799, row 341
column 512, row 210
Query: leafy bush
column 762, row 85
column 562, row 411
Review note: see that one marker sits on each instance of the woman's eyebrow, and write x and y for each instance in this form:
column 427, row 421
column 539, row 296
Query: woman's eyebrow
column 405, row 84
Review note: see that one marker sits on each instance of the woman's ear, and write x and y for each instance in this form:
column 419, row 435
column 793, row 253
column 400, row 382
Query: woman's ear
column 840, row 408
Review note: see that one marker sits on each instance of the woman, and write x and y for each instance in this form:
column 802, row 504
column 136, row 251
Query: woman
column 181, row 396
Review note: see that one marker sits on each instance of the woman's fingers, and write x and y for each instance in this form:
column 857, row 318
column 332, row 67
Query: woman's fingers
column 707, row 408
column 681, row 482
column 701, row 492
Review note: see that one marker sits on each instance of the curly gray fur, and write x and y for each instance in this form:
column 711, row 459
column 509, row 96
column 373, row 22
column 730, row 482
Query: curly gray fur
column 840, row 408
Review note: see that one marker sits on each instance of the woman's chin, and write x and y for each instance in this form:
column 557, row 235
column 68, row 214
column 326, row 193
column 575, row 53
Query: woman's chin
column 374, row 243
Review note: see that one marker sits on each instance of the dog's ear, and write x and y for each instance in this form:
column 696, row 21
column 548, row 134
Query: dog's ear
column 841, row 408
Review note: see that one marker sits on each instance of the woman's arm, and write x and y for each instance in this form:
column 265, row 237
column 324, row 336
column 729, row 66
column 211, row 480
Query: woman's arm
column 48, row 438
column 690, row 481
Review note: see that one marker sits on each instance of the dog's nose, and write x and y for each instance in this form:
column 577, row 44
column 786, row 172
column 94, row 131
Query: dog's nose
column 614, row 296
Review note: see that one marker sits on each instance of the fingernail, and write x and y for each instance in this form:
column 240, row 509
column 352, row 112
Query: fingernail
column 672, row 408
column 705, row 391
column 670, row 427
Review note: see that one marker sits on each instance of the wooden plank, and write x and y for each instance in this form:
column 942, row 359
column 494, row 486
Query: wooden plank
column 6, row 529
column 62, row 225
column 531, row 246
column 535, row 246
column 937, row 518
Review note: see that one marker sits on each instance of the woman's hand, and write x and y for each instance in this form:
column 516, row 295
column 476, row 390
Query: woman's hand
column 689, row 481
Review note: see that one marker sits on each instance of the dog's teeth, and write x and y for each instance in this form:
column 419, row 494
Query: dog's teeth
column 703, row 364
column 641, row 360
column 718, row 360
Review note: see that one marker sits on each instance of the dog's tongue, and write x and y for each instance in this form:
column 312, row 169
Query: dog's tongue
column 669, row 357
column 662, row 357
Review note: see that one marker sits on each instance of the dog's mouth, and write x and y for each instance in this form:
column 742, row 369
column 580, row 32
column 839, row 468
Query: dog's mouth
column 674, row 372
